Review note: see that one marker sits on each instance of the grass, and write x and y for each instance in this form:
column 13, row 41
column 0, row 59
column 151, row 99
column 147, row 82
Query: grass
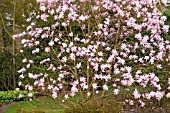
column 44, row 104
column 48, row 105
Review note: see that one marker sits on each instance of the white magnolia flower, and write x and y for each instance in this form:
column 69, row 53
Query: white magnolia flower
column 166, row 2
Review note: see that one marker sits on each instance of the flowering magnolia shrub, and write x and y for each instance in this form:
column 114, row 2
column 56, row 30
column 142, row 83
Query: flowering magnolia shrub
column 90, row 47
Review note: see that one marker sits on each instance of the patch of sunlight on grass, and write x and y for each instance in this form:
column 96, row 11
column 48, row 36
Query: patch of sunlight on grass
column 44, row 104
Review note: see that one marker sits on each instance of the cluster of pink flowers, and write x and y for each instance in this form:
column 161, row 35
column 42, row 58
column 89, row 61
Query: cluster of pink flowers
column 91, row 46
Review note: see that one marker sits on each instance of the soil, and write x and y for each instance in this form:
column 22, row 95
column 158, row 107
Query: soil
column 159, row 110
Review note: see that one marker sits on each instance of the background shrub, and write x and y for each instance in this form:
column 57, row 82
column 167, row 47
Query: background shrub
column 12, row 96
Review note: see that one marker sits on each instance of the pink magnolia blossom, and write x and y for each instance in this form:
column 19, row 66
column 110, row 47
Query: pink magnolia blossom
column 116, row 91
column 105, row 87
column 89, row 49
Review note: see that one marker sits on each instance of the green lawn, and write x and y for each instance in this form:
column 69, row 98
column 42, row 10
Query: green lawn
column 48, row 105
column 43, row 104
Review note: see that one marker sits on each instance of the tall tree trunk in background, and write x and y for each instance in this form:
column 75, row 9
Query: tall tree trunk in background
column 13, row 48
column 6, row 54
column 9, row 48
column 7, row 41
column 1, row 39
column 12, row 17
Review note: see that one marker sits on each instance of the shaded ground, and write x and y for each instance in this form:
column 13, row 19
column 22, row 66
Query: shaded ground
column 158, row 110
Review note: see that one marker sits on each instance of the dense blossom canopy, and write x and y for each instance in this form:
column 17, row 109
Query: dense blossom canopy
column 92, row 46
